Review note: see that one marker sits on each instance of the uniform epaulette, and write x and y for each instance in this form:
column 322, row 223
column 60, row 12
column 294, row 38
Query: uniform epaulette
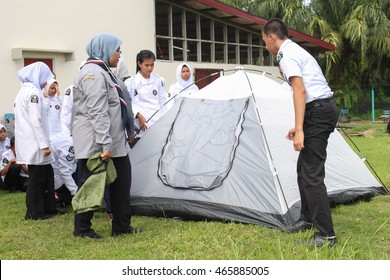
column 162, row 80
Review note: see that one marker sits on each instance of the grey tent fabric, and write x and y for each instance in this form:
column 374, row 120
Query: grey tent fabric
column 260, row 186
column 207, row 131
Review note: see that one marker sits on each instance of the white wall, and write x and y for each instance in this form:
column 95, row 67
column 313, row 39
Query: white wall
column 67, row 25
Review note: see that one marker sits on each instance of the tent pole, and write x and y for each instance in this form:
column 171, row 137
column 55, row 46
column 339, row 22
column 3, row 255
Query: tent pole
column 362, row 157
column 372, row 104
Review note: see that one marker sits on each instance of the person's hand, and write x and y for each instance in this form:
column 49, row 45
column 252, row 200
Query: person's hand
column 131, row 139
column 298, row 137
column 46, row 151
column 142, row 122
column 299, row 140
column 290, row 134
column 106, row 155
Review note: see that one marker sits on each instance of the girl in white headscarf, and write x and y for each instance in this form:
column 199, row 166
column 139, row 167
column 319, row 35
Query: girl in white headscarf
column 183, row 86
column 4, row 144
column 4, row 140
column 54, row 104
column 32, row 141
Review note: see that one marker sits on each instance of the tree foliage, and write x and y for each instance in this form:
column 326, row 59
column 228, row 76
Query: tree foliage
column 360, row 30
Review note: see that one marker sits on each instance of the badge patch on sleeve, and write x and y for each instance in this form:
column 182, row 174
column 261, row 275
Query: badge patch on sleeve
column 279, row 56
column 34, row 99
column 67, row 92
column 88, row 79
column 70, row 156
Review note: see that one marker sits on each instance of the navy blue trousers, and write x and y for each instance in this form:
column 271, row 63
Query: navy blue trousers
column 119, row 197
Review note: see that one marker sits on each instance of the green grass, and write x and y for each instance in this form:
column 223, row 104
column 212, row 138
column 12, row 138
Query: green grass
column 363, row 230
column 374, row 146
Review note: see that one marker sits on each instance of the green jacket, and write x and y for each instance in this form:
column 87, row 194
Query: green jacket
column 91, row 194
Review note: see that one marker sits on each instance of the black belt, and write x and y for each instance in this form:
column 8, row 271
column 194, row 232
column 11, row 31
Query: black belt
column 319, row 102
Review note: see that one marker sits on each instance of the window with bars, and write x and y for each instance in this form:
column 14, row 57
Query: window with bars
column 185, row 35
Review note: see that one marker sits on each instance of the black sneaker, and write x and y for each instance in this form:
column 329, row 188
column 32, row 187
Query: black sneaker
column 44, row 217
column 131, row 230
column 318, row 241
column 89, row 235
column 60, row 211
column 300, row 225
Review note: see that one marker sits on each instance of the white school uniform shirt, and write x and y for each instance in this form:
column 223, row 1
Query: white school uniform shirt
column 6, row 157
column 4, row 145
column 53, row 104
column 64, row 162
column 176, row 91
column 148, row 96
column 31, row 126
column 296, row 61
column 66, row 110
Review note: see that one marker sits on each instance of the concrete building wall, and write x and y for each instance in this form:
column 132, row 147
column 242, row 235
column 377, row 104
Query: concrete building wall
column 66, row 25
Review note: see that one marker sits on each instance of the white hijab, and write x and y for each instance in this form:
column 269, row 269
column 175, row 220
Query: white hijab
column 180, row 81
column 49, row 83
column 36, row 73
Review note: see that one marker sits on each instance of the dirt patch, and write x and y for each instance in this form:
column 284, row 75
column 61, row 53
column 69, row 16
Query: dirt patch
column 355, row 133
column 369, row 133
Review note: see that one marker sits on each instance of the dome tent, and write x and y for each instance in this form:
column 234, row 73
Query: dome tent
column 221, row 154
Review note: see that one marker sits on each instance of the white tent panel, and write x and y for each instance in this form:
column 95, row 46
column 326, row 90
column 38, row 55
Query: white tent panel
column 258, row 168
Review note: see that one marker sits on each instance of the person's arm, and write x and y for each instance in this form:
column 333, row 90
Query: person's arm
column 96, row 90
column 65, row 164
column 66, row 110
column 142, row 121
column 299, row 96
column 6, row 167
column 162, row 96
column 24, row 168
column 131, row 87
column 129, row 108
column 35, row 119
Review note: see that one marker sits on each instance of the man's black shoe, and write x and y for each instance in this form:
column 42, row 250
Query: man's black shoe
column 131, row 230
column 61, row 211
column 44, row 217
column 300, row 225
column 89, row 235
column 318, row 241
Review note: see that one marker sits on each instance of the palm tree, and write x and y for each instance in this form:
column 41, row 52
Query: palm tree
column 249, row 6
column 294, row 13
column 360, row 30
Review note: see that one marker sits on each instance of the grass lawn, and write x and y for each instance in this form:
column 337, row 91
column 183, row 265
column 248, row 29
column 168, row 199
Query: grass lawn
column 363, row 229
